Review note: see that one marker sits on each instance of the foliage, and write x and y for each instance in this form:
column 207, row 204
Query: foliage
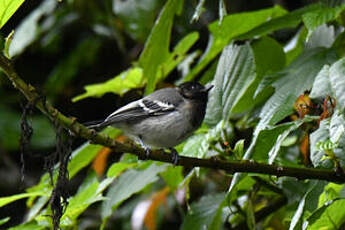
column 275, row 101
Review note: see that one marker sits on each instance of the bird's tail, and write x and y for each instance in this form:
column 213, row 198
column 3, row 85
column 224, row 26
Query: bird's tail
column 96, row 125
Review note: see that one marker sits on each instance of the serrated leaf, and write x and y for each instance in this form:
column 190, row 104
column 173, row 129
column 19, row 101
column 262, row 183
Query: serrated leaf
column 298, row 77
column 337, row 78
column 7, row 9
column 129, row 183
column 322, row 85
column 235, row 72
column 323, row 15
column 204, row 212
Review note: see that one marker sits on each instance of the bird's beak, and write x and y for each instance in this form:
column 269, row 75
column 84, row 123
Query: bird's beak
column 208, row 88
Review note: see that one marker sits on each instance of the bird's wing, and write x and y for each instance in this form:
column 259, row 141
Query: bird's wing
column 139, row 110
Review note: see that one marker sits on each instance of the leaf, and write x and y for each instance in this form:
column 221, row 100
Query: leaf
column 173, row 176
column 199, row 145
column 235, row 72
column 337, row 78
column 298, row 77
column 328, row 216
column 88, row 193
column 331, row 192
column 319, row 135
column 118, row 167
column 9, row 199
column 4, row 220
column 204, row 213
column 120, row 84
column 320, row 16
column 198, row 11
column 307, row 204
column 28, row 226
column 129, row 183
column 282, row 21
column 156, row 50
column 232, row 26
column 29, row 28
column 137, row 16
column 270, row 140
column 322, row 85
column 7, row 9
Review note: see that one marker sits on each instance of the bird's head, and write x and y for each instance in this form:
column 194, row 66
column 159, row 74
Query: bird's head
column 194, row 90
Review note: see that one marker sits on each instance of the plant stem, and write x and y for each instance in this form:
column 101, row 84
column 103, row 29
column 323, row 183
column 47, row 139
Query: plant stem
column 80, row 130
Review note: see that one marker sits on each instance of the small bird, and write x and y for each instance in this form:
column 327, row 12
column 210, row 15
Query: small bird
column 162, row 119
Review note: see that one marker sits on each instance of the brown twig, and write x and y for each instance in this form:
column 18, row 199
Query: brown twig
column 231, row 166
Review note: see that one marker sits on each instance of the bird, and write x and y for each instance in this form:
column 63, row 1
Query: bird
column 162, row 119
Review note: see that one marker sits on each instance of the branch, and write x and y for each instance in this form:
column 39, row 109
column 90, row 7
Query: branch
column 80, row 130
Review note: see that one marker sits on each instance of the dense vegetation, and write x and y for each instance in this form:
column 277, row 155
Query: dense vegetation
column 272, row 142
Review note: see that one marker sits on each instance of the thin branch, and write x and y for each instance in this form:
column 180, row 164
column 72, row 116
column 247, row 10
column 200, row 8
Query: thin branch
column 158, row 155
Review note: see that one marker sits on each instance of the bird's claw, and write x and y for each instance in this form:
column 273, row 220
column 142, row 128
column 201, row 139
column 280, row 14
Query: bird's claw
column 174, row 156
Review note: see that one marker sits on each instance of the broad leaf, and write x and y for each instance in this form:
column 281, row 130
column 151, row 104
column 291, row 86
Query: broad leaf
column 7, row 9
column 329, row 216
column 323, row 15
column 129, row 183
column 337, row 78
column 156, row 50
column 28, row 30
column 204, row 213
column 232, row 26
column 120, row 84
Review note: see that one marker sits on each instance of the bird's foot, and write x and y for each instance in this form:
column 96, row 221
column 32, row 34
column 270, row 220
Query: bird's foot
column 174, row 156
column 146, row 155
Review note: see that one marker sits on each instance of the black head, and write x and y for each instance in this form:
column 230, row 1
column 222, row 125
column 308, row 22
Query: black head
column 194, row 90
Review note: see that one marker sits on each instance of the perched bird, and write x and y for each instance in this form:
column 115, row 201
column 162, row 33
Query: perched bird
column 162, row 119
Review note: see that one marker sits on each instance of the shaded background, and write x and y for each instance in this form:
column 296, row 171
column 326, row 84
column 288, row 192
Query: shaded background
column 65, row 46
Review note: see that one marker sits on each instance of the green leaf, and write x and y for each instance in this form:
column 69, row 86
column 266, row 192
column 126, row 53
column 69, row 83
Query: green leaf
column 7, row 9
column 82, row 156
column 298, row 77
column 319, row 135
column 329, row 216
column 232, row 26
column 118, row 167
column 235, row 72
column 282, row 21
column 88, row 193
column 4, row 220
column 204, row 213
column 337, row 78
column 199, row 145
column 120, row 84
column 331, row 192
column 29, row 29
column 173, row 176
column 9, row 199
column 129, row 183
column 322, row 85
column 250, row 214
column 269, row 140
column 199, row 9
column 320, row 16
column 28, row 226
column 137, row 16
column 307, row 204
column 156, row 50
